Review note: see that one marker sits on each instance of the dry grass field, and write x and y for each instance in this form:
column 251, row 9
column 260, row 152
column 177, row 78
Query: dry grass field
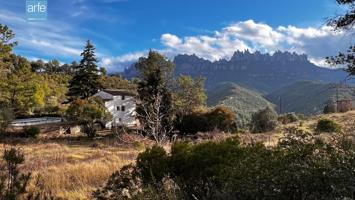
column 346, row 120
column 72, row 166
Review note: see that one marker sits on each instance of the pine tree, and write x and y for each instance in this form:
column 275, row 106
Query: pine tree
column 86, row 80
column 154, row 106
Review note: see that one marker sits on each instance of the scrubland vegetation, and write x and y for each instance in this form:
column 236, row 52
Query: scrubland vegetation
column 183, row 149
column 76, row 167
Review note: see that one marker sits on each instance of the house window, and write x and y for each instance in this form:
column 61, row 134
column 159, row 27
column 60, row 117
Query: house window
column 123, row 108
column 118, row 108
column 123, row 97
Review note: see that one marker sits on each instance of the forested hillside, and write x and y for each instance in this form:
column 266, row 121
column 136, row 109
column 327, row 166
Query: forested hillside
column 309, row 97
column 244, row 102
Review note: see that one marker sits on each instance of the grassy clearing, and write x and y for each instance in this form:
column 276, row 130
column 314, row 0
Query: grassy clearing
column 72, row 166
column 72, row 169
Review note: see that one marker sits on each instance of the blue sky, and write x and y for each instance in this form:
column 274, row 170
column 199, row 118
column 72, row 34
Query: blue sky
column 123, row 30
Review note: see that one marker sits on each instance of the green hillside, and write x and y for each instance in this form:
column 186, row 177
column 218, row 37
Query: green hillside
column 309, row 97
column 242, row 101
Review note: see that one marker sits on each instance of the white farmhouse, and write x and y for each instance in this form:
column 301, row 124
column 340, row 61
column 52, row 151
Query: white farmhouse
column 121, row 104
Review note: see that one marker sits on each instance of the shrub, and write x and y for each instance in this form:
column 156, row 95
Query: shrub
column 193, row 123
column 264, row 120
column 298, row 166
column 138, row 145
column 32, row 131
column 327, row 125
column 86, row 113
column 288, row 118
column 221, row 118
column 152, row 164
column 6, row 117
column 13, row 183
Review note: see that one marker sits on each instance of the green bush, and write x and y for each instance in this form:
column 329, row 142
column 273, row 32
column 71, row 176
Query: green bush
column 298, row 166
column 288, row 118
column 193, row 123
column 86, row 113
column 221, row 118
column 327, row 125
column 152, row 164
column 264, row 120
column 32, row 131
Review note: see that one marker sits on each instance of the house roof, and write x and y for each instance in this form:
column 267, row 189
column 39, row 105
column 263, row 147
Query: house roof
column 117, row 92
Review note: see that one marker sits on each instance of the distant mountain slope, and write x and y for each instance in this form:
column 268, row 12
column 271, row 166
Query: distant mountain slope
column 242, row 101
column 309, row 97
column 262, row 72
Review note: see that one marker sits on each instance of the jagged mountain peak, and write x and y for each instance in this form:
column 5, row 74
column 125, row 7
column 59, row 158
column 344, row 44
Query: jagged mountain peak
column 277, row 56
column 260, row 71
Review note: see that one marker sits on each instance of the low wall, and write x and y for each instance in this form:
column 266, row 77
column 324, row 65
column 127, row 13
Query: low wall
column 35, row 121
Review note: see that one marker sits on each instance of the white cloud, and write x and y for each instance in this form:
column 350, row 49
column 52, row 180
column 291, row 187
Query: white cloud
column 59, row 40
column 317, row 43
column 257, row 33
column 170, row 40
column 120, row 62
column 48, row 39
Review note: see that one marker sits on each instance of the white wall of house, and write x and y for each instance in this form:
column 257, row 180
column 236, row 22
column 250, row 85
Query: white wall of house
column 122, row 109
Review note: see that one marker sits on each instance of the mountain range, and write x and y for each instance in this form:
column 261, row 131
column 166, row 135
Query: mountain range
column 310, row 97
column 262, row 72
column 251, row 81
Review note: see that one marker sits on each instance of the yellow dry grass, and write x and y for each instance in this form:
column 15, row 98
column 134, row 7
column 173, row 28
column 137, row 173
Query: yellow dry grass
column 71, row 170
column 72, row 167
column 346, row 120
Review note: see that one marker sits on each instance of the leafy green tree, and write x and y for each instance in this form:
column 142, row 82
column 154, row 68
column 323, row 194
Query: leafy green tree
column 38, row 66
column 220, row 118
column 103, row 71
column 86, row 79
column 116, row 82
column 52, row 66
column 23, row 88
column 154, row 105
column 19, row 88
column 6, row 43
column 264, row 120
column 189, row 95
column 86, row 112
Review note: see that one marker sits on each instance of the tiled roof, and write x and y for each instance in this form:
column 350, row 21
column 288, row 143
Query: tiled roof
column 116, row 92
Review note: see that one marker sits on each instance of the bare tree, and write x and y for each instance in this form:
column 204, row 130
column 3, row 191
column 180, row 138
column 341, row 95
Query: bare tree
column 153, row 124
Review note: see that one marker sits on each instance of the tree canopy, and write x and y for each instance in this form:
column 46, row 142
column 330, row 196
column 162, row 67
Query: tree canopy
column 86, row 79
column 344, row 22
column 154, row 104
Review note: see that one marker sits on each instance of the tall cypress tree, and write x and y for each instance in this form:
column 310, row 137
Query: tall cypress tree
column 85, row 81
